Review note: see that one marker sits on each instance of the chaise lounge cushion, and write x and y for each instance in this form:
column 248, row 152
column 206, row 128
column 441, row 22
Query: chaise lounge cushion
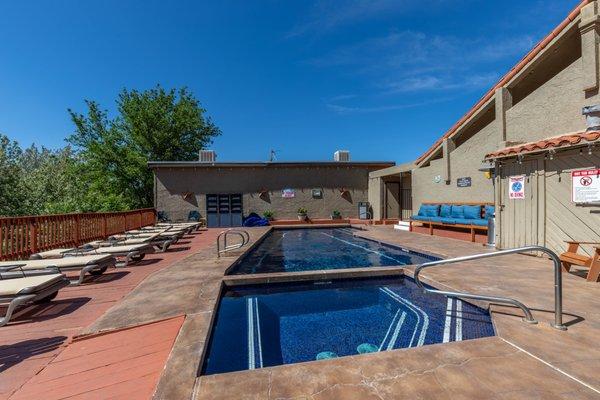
column 445, row 210
column 472, row 212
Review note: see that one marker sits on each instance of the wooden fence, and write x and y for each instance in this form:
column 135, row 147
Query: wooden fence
column 23, row 236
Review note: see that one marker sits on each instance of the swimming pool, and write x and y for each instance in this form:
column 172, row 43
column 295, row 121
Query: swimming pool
column 263, row 326
column 291, row 250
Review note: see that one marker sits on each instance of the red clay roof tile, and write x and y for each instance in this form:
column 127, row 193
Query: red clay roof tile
column 567, row 140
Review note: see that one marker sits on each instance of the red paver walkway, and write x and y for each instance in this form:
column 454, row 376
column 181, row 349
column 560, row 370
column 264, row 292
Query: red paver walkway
column 124, row 364
column 37, row 334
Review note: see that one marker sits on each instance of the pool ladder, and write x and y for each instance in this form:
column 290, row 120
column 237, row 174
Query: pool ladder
column 558, row 323
column 244, row 235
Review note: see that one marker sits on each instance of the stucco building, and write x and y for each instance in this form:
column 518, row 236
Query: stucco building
column 537, row 100
column 243, row 187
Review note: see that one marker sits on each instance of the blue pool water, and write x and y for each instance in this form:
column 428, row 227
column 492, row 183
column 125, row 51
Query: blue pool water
column 263, row 326
column 290, row 250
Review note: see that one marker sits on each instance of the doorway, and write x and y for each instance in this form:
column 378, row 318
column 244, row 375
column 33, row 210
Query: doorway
column 223, row 210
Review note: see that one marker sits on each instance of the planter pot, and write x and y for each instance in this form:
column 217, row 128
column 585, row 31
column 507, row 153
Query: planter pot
column 336, row 217
column 302, row 217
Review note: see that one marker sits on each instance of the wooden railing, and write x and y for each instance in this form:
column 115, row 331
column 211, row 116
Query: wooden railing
column 23, row 236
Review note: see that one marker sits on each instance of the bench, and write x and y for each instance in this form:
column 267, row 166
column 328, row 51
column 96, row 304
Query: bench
column 472, row 216
column 573, row 257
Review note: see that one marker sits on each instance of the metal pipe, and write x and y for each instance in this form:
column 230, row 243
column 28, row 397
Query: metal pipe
column 240, row 232
column 558, row 323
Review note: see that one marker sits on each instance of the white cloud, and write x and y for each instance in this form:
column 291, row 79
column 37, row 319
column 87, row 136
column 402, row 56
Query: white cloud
column 340, row 109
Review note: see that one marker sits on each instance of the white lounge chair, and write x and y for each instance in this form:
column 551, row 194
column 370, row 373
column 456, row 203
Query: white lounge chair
column 27, row 290
column 130, row 253
column 93, row 264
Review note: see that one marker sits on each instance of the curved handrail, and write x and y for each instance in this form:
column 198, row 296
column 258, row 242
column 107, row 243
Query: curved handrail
column 239, row 232
column 558, row 324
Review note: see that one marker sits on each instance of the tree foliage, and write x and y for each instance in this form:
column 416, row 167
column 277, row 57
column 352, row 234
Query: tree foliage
column 153, row 125
column 104, row 167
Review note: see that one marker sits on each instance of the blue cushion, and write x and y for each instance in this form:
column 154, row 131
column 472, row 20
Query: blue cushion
column 421, row 210
column 457, row 212
column 472, row 212
column 465, row 221
column 448, row 221
column 445, row 210
column 432, row 210
column 489, row 211
column 420, row 218
column 435, row 219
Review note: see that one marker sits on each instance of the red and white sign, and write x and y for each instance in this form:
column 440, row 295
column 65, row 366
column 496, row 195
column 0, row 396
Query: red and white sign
column 516, row 187
column 586, row 186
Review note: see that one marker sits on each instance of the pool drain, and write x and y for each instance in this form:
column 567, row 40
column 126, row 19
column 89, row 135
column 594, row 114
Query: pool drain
column 325, row 355
column 367, row 348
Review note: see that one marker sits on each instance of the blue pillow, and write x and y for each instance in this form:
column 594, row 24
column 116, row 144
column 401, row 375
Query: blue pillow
column 432, row 210
column 445, row 210
column 458, row 212
column 472, row 212
column 489, row 212
column 422, row 210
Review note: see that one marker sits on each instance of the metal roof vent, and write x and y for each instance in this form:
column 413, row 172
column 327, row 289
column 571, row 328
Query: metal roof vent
column 208, row 156
column 592, row 117
column 341, row 155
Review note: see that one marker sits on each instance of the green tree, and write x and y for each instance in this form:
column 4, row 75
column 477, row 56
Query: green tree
column 153, row 125
column 11, row 197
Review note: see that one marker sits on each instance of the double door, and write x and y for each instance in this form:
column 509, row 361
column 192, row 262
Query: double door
column 223, row 210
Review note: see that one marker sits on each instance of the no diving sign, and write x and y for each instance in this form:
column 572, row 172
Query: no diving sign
column 586, row 186
column 516, row 187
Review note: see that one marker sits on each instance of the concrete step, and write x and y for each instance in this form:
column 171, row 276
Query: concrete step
column 402, row 227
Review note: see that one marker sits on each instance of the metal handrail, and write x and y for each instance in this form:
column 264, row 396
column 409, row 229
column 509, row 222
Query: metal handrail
column 239, row 232
column 558, row 323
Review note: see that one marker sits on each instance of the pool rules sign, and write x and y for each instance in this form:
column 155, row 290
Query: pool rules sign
column 586, row 186
column 516, row 187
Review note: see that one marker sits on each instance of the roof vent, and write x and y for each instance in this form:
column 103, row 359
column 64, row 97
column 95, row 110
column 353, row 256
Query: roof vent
column 208, row 156
column 592, row 117
column 341, row 155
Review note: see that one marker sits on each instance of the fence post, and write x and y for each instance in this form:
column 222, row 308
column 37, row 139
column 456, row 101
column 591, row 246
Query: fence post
column 104, row 227
column 33, row 236
column 77, row 227
column 141, row 213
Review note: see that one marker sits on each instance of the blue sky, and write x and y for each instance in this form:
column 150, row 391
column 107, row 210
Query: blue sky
column 381, row 78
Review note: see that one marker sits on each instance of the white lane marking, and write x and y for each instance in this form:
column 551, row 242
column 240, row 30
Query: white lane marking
column 260, row 357
column 397, row 298
column 392, row 342
column 250, row 312
column 416, row 310
column 448, row 321
column 389, row 330
column 458, row 323
column 361, row 247
column 553, row 367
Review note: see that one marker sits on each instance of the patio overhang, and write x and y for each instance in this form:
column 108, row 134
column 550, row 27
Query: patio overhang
column 563, row 142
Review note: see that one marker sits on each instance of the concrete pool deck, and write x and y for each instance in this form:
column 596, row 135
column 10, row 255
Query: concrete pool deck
column 523, row 361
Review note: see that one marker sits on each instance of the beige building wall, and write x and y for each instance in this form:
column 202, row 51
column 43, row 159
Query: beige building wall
column 465, row 161
column 173, row 183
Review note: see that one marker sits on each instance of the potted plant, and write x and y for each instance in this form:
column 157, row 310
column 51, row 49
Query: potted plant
column 335, row 214
column 302, row 212
column 268, row 215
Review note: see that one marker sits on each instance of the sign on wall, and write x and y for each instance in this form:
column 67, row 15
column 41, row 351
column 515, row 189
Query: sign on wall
column 464, row 181
column 516, row 187
column 586, row 186
column 317, row 194
column 288, row 193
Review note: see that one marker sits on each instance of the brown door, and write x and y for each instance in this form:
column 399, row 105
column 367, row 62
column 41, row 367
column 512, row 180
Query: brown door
column 392, row 200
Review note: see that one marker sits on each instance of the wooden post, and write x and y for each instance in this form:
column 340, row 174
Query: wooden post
column 431, row 229
column 33, row 236
column 472, row 234
column 104, row 233
column 141, row 219
column 77, row 227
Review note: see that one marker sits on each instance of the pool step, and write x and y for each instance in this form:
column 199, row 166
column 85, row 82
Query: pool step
column 402, row 226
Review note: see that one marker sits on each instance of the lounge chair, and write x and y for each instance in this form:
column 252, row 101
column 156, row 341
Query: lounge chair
column 27, row 290
column 93, row 264
column 130, row 253
column 160, row 242
column 572, row 257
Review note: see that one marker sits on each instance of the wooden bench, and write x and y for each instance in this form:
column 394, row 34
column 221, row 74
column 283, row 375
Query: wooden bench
column 472, row 228
column 573, row 257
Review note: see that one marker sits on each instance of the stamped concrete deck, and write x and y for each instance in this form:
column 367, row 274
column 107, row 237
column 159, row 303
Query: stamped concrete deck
column 523, row 361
